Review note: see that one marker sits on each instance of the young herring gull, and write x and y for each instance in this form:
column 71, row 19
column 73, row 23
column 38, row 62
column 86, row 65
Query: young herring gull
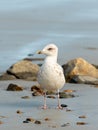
column 50, row 75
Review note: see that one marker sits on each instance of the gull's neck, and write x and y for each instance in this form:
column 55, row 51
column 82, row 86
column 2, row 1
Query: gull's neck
column 51, row 59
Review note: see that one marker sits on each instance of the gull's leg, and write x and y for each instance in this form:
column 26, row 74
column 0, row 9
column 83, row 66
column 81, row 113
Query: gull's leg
column 58, row 97
column 45, row 106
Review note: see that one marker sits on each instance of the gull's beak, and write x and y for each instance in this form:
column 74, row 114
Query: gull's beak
column 39, row 52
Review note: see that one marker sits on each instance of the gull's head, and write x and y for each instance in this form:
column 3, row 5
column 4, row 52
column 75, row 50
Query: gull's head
column 49, row 50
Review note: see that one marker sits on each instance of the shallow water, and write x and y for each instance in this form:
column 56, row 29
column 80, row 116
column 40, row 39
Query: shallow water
column 28, row 25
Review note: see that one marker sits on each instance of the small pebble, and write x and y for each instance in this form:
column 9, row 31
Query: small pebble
column 37, row 122
column 25, row 121
column 81, row 123
column 83, row 116
column 47, row 119
column 19, row 112
column 69, row 90
column 25, row 97
column 66, row 95
column 64, row 105
column 64, row 125
column 50, row 96
column 30, row 119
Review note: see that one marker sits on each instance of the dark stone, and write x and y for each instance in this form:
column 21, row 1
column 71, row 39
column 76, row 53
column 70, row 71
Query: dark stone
column 30, row 119
column 37, row 91
column 64, row 105
column 37, row 122
column 14, row 87
column 36, row 94
column 25, row 121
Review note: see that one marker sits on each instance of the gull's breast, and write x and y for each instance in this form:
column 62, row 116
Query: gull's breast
column 51, row 77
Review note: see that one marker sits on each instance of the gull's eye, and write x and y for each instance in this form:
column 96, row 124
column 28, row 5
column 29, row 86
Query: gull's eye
column 49, row 49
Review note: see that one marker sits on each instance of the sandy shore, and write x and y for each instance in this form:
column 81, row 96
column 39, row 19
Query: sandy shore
column 84, row 103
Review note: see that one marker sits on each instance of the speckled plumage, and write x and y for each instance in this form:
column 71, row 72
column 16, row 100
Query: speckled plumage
column 50, row 75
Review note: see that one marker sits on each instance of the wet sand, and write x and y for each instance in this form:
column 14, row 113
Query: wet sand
column 84, row 104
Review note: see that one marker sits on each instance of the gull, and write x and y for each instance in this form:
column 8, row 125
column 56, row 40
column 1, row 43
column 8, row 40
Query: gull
column 50, row 75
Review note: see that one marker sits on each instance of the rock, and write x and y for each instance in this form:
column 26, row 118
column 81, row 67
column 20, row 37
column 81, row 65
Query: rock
column 25, row 97
column 14, row 87
column 64, row 125
column 30, row 119
column 50, row 93
column 24, row 69
column 69, row 91
column 64, row 105
column 65, row 95
column 19, row 112
column 37, row 122
column 36, row 94
column 25, row 121
column 7, row 76
column 83, row 116
column 79, row 66
column 47, row 119
column 37, row 91
column 36, row 88
column 81, row 123
column 84, row 79
column 51, row 96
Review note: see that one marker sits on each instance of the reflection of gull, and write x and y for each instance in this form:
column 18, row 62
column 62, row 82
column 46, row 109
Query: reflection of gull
column 50, row 75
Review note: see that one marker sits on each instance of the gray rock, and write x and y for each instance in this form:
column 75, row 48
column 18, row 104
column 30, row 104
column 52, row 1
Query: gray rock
column 84, row 79
column 24, row 69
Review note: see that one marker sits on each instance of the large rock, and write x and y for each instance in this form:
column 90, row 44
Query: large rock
column 24, row 69
column 79, row 66
column 84, row 80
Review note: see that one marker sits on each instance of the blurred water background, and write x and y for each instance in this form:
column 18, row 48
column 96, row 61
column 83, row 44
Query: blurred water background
column 28, row 25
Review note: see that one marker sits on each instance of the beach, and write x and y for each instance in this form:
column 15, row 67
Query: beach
column 84, row 104
column 26, row 27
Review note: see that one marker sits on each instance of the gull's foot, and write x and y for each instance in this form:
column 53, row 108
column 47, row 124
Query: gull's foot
column 59, row 107
column 44, row 107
